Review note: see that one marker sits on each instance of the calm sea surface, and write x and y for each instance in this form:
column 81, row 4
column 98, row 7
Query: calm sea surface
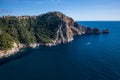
column 88, row 57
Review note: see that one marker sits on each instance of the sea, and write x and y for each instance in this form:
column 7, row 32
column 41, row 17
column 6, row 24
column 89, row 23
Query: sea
column 87, row 57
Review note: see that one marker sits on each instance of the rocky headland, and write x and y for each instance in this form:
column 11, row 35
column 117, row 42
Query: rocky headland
column 48, row 29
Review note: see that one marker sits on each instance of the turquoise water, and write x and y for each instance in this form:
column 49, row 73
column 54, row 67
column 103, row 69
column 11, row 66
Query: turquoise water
column 88, row 57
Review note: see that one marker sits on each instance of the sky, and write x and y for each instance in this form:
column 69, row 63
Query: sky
column 79, row 10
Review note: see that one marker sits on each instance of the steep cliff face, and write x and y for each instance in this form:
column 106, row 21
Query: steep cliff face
column 66, row 29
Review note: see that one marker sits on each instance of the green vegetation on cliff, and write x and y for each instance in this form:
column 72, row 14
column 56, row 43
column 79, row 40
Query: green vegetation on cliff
column 6, row 41
column 40, row 29
column 28, row 29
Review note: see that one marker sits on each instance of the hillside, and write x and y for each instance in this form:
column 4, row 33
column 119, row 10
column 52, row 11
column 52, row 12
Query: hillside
column 50, row 28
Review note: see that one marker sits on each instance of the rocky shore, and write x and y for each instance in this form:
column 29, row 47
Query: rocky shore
column 16, row 48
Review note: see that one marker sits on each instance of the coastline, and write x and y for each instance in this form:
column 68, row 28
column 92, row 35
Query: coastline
column 18, row 47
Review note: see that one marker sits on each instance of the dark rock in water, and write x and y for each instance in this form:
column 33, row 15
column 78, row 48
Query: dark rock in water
column 89, row 30
column 104, row 31
column 96, row 31
column 92, row 30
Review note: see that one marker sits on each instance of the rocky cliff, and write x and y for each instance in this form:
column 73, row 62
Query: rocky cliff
column 66, row 29
column 47, row 29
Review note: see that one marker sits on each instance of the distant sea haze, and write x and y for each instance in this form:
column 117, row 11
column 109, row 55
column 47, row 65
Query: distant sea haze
column 87, row 57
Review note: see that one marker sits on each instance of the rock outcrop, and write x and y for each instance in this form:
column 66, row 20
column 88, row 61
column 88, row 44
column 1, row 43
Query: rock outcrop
column 89, row 30
column 92, row 30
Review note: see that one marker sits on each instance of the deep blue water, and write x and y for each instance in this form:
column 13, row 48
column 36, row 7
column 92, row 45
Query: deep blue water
column 77, row 60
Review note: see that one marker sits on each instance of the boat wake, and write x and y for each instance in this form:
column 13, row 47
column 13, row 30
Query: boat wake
column 88, row 43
